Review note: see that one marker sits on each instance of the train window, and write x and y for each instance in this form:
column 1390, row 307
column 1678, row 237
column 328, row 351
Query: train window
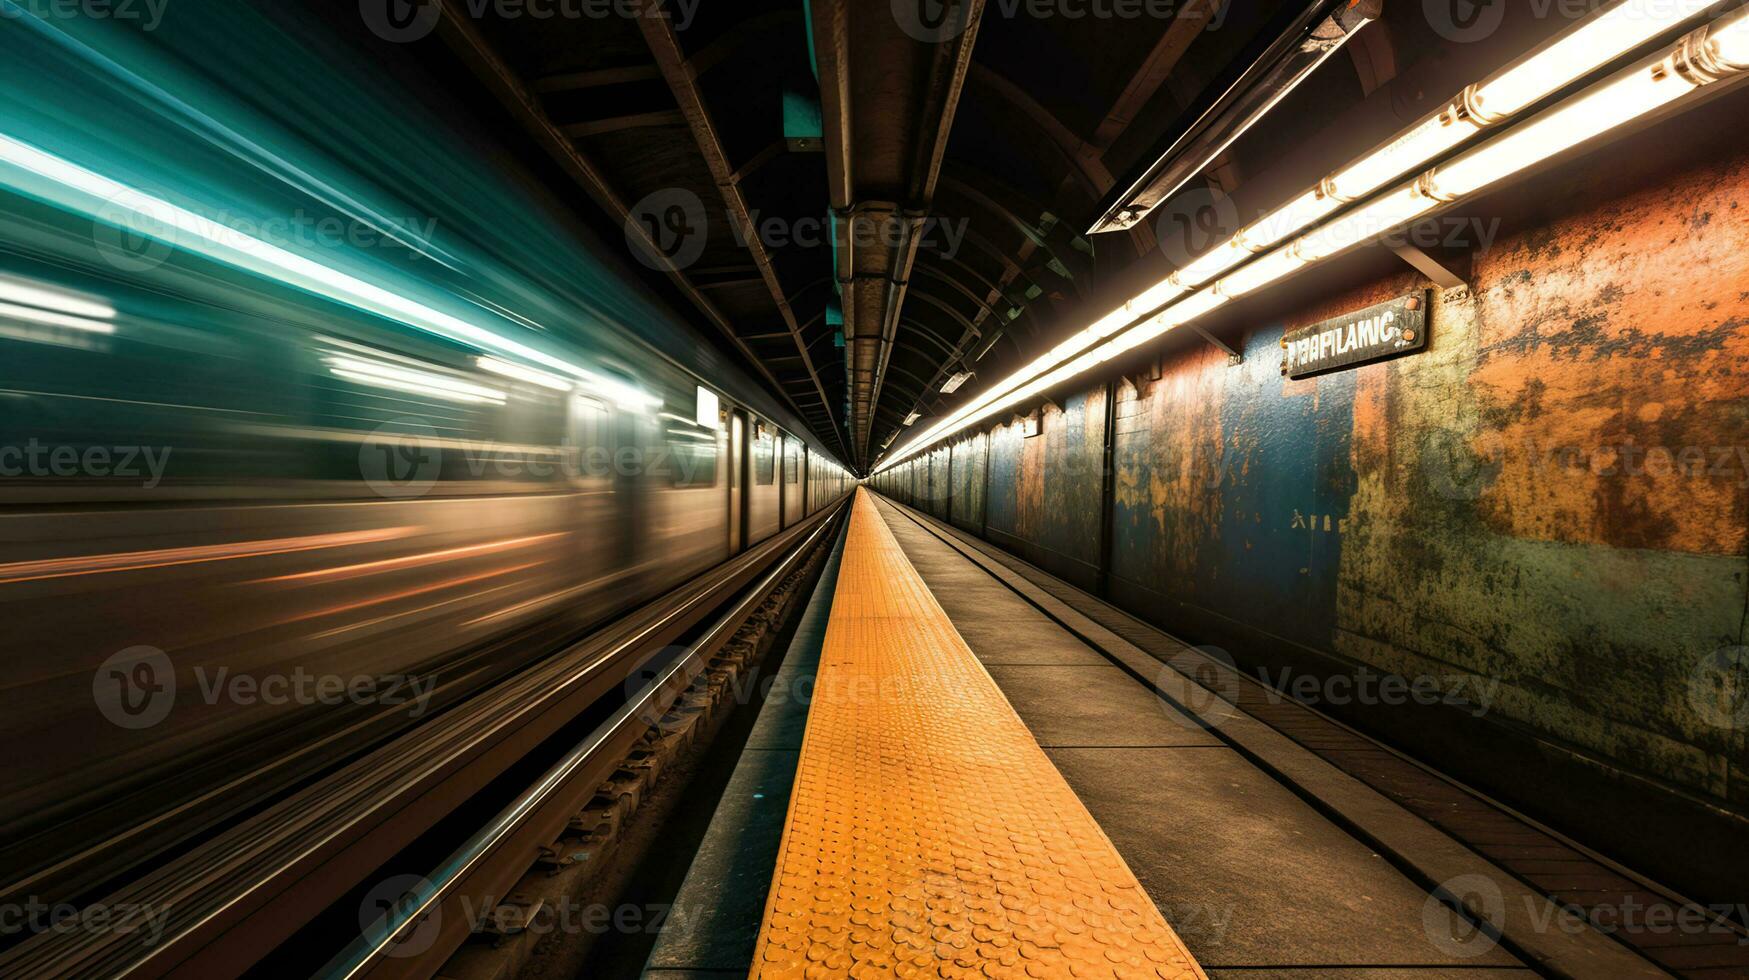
column 589, row 450
column 692, row 457
column 765, row 457
column 694, row 463
column 792, row 461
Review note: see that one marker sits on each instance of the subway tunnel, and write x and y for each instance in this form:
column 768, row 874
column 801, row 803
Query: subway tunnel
column 858, row 488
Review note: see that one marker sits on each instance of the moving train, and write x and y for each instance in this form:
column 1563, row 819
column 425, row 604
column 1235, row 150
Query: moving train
column 267, row 498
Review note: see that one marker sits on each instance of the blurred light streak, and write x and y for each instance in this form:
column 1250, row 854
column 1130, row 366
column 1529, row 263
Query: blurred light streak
column 74, row 188
column 12, row 311
column 131, row 561
column 412, row 561
column 15, row 290
column 407, row 593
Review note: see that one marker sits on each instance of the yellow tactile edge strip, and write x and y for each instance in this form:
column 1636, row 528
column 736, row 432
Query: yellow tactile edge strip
column 928, row 834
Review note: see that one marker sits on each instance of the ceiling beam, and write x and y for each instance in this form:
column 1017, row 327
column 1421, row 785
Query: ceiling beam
column 888, row 100
column 615, row 124
column 682, row 78
column 458, row 32
column 1187, row 25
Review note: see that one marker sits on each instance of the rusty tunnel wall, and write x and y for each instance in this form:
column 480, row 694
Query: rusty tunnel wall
column 1549, row 507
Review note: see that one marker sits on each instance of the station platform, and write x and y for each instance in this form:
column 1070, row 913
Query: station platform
column 979, row 778
column 928, row 833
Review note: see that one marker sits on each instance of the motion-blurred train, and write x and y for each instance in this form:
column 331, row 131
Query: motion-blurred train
column 262, row 488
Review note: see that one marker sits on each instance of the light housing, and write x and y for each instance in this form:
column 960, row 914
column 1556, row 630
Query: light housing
column 1709, row 54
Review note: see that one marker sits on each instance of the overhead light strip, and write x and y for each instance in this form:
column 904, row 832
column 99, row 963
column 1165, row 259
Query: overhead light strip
column 1701, row 57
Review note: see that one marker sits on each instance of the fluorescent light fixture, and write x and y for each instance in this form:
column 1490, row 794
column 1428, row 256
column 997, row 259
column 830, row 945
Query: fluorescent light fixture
column 1607, row 35
column 12, row 311
column 42, row 296
column 953, row 383
column 1731, row 42
column 708, row 412
column 1707, row 55
column 521, row 373
column 1262, row 272
column 1602, row 39
column 912, row 418
column 381, row 374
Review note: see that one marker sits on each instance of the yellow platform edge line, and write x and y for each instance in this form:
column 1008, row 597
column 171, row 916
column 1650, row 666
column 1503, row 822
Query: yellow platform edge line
column 927, row 833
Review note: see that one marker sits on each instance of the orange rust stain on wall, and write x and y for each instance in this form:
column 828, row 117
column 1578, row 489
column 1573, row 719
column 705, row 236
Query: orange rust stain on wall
column 1188, row 443
column 1611, row 373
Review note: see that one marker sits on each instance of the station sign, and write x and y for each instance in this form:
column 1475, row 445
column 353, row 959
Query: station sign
column 1390, row 329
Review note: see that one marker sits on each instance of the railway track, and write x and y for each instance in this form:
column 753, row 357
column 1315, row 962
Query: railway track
column 243, row 892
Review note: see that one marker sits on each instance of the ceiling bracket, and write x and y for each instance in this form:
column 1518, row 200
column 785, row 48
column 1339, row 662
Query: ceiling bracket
column 1233, row 357
column 1449, row 268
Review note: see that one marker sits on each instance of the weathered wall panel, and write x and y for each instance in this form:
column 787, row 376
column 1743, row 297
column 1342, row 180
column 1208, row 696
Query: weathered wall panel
column 1553, row 498
column 970, row 475
column 1051, row 514
column 940, row 482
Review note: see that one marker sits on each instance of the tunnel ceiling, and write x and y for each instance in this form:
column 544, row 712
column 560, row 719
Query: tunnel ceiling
column 962, row 160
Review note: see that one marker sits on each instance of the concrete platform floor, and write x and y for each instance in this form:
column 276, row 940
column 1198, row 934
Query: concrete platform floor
column 1257, row 883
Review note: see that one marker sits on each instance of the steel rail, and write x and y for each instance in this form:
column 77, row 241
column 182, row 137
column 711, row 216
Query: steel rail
column 378, row 940
column 235, row 897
